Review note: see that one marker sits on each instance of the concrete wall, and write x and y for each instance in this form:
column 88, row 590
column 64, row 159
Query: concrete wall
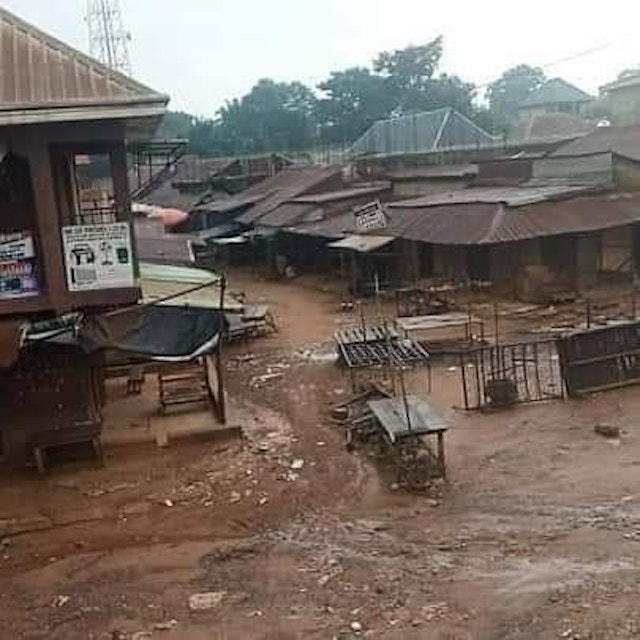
column 624, row 105
column 626, row 174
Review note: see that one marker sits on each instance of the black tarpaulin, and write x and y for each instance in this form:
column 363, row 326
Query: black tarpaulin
column 171, row 334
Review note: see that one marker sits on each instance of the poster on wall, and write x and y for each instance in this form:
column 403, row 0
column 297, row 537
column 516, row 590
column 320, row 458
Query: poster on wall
column 18, row 266
column 98, row 256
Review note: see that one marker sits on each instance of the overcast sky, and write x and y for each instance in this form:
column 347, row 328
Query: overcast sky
column 203, row 52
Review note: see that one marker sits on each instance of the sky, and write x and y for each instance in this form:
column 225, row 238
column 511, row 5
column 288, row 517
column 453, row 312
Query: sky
column 204, row 52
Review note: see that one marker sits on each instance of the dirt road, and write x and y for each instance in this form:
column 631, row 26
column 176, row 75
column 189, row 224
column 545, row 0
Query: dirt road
column 536, row 535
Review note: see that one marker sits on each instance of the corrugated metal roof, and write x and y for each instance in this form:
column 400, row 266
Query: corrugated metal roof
column 422, row 132
column 45, row 80
column 434, row 172
column 492, row 222
column 555, row 91
column 285, row 186
column 484, row 223
column 228, row 205
column 312, row 208
column 623, row 141
column 344, row 194
column 292, row 213
column 512, row 196
column 553, row 126
column 361, row 244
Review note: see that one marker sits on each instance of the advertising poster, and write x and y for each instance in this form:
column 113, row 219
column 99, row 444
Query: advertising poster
column 18, row 266
column 98, row 256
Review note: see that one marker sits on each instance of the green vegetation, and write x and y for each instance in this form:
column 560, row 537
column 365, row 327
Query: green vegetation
column 280, row 116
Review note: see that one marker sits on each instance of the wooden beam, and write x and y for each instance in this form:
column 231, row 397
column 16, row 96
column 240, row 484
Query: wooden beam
column 48, row 222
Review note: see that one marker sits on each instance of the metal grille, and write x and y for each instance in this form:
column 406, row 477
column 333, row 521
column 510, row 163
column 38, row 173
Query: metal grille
column 503, row 375
column 601, row 359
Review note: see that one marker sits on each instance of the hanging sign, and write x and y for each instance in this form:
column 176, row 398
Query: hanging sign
column 98, row 256
column 370, row 216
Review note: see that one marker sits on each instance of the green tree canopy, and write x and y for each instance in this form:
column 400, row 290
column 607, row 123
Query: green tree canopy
column 272, row 116
column 352, row 101
column 289, row 116
column 510, row 90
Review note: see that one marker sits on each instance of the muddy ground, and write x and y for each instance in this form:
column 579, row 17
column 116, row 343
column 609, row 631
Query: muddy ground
column 536, row 534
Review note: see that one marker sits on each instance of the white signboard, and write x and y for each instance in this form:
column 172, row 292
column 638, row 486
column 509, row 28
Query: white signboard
column 370, row 216
column 16, row 246
column 98, row 256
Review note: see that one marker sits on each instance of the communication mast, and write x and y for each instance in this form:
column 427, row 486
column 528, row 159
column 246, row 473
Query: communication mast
column 108, row 39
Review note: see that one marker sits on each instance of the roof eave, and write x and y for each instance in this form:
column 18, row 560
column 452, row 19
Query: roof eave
column 84, row 112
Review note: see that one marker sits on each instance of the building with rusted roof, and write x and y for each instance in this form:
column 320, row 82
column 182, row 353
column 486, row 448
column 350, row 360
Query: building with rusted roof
column 554, row 96
column 66, row 245
column 252, row 204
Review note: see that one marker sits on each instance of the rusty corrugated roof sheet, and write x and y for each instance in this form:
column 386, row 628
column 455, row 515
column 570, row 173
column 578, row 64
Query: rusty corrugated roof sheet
column 288, row 185
column 485, row 223
column 311, row 208
column 344, row 194
column 623, row 141
column 45, row 80
column 513, row 196
column 475, row 223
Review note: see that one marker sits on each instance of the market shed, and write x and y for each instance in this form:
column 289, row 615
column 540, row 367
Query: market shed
column 66, row 243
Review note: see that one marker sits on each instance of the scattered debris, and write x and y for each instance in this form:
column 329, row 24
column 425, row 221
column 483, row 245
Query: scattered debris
column 60, row 601
column 166, row 626
column 206, row 601
column 607, row 430
column 356, row 627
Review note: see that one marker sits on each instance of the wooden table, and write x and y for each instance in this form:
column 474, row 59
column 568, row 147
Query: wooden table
column 423, row 420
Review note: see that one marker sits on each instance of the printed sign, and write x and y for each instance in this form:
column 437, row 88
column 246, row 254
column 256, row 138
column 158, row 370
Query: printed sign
column 16, row 246
column 370, row 216
column 18, row 268
column 98, row 256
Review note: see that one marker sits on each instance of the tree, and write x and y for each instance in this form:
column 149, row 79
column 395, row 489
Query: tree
column 353, row 100
column 175, row 124
column 272, row 116
column 510, row 90
column 408, row 73
column 451, row 91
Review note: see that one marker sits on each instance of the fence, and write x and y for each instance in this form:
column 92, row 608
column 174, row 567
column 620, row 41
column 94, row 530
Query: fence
column 503, row 375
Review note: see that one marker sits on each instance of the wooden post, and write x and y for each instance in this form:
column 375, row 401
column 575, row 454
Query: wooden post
column 118, row 155
column 48, row 221
column 222, row 400
column 441, row 455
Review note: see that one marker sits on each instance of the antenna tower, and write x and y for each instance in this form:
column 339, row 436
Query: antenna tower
column 108, row 39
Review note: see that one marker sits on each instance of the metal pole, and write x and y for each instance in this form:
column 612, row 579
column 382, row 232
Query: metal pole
column 465, row 393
